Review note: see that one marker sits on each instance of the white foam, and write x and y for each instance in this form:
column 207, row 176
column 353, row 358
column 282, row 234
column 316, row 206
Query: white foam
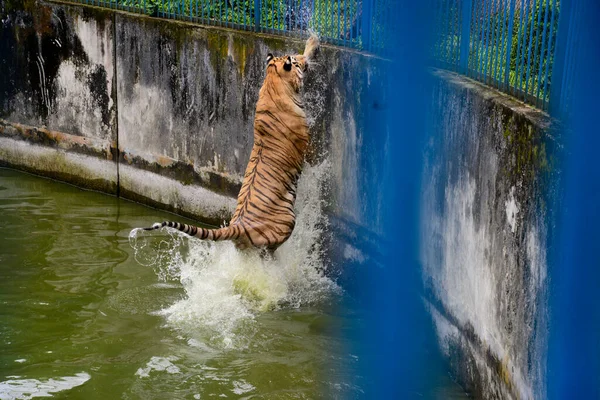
column 241, row 387
column 226, row 288
column 14, row 389
column 512, row 209
column 159, row 364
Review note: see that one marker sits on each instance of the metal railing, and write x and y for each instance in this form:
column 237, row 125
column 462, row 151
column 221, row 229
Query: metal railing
column 508, row 44
column 350, row 23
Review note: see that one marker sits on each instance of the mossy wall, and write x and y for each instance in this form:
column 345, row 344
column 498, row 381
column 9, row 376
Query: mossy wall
column 488, row 207
column 172, row 99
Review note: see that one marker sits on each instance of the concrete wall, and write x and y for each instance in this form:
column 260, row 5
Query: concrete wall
column 161, row 112
column 488, row 206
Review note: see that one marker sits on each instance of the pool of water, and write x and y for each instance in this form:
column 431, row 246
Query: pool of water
column 90, row 309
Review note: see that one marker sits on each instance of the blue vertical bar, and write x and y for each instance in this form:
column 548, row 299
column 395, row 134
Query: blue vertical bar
column 519, row 48
column 569, row 57
column 328, row 18
column 492, row 48
column 446, row 31
column 457, row 29
column 530, row 46
column 338, row 19
column 483, row 43
column 272, row 15
column 501, row 44
column 559, row 53
column 480, row 44
column 449, row 32
column 487, row 38
column 546, row 59
column 511, row 19
column 439, row 17
column 537, row 53
column 319, row 22
column 366, row 26
column 455, row 47
column 496, row 64
column 522, row 62
column 489, row 57
column 346, row 29
column 303, row 23
column 474, row 38
column 257, row 14
column 442, row 23
column 573, row 362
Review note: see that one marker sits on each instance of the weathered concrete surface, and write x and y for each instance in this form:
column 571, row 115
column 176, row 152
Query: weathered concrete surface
column 57, row 70
column 84, row 171
column 175, row 100
column 56, row 97
column 488, row 207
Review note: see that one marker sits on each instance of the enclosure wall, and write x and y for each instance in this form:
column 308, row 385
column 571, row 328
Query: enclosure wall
column 162, row 112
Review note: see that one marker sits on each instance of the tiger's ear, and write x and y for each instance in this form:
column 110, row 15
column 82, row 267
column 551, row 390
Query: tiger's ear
column 269, row 57
column 288, row 64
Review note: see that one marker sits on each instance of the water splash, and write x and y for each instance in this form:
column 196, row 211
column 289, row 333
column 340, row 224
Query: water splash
column 225, row 288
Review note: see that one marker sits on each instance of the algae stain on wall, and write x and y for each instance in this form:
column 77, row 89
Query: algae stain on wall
column 484, row 238
column 59, row 71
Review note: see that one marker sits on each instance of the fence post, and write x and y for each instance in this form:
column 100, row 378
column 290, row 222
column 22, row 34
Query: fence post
column 257, row 12
column 564, row 43
column 465, row 36
column 367, row 14
column 511, row 18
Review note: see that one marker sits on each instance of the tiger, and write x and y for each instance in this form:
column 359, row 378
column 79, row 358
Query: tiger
column 264, row 217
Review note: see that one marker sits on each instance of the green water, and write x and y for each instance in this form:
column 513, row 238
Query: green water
column 80, row 317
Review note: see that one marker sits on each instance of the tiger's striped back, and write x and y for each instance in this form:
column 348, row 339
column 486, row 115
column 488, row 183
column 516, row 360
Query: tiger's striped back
column 264, row 216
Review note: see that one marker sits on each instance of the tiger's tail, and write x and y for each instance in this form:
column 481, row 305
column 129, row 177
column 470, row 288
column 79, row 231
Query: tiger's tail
column 226, row 233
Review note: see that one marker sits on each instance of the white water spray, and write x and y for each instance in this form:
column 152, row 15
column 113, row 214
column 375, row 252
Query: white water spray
column 225, row 288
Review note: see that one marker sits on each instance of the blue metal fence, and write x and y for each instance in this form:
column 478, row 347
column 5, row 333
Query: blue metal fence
column 351, row 23
column 508, row 44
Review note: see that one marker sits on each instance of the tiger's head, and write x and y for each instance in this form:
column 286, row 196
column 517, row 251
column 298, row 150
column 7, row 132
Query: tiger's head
column 291, row 68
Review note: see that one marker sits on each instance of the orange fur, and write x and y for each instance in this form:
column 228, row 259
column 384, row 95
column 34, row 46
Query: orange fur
column 264, row 216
